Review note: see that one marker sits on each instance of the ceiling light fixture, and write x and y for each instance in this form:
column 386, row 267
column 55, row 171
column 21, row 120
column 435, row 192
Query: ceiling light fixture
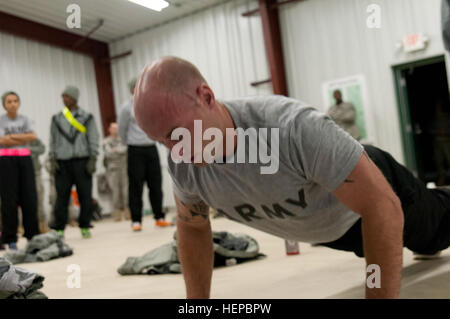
column 156, row 5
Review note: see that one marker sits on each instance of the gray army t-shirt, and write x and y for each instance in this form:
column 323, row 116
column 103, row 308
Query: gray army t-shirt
column 20, row 125
column 315, row 157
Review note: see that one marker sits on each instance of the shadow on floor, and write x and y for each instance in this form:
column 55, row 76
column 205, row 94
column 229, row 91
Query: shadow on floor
column 416, row 282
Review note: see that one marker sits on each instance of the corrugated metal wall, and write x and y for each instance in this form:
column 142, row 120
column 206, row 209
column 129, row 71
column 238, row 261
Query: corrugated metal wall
column 39, row 73
column 226, row 47
column 329, row 39
column 323, row 40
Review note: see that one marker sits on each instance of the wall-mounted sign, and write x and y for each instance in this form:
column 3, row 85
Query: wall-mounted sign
column 414, row 42
column 353, row 89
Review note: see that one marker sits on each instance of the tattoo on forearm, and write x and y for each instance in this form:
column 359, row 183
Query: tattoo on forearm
column 197, row 214
column 201, row 207
column 349, row 181
column 183, row 218
column 198, row 209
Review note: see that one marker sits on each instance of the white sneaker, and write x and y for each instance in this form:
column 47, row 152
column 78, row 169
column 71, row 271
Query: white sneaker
column 418, row 256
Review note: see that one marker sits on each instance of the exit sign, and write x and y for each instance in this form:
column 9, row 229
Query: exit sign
column 414, row 42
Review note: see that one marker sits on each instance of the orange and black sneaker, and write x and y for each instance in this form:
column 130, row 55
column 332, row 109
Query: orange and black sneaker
column 162, row 223
column 136, row 226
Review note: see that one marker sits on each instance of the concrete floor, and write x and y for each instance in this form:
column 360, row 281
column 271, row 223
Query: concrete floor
column 318, row 272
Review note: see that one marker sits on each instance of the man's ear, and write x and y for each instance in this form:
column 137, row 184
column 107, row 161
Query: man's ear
column 206, row 94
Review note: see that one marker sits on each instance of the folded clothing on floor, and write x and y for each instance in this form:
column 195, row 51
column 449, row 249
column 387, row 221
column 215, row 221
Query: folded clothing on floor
column 164, row 259
column 18, row 283
column 40, row 248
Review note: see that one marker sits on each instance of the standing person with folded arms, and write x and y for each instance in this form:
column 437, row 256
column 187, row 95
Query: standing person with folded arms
column 344, row 115
column 17, row 181
column 73, row 151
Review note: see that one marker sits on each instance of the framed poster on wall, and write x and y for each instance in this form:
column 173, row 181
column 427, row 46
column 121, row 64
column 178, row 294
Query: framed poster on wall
column 353, row 89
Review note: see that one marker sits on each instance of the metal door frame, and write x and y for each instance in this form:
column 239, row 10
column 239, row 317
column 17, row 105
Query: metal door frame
column 404, row 107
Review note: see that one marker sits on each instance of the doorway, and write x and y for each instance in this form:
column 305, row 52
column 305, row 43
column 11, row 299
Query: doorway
column 424, row 107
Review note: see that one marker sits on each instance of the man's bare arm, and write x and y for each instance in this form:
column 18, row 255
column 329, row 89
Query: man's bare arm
column 195, row 247
column 367, row 192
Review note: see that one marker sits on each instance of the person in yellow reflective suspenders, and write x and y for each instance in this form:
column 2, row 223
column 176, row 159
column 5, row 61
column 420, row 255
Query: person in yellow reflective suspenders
column 73, row 151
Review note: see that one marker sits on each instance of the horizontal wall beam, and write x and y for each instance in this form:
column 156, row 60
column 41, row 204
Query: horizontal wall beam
column 49, row 35
column 98, row 50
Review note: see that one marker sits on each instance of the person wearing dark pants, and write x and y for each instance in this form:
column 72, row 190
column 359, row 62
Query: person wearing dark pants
column 17, row 181
column 19, row 190
column 426, row 211
column 74, row 143
column 318, row 185
column 73, row 172
column 143, row 166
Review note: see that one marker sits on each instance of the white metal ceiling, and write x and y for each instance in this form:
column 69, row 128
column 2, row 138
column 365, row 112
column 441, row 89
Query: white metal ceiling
column 121, row 17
